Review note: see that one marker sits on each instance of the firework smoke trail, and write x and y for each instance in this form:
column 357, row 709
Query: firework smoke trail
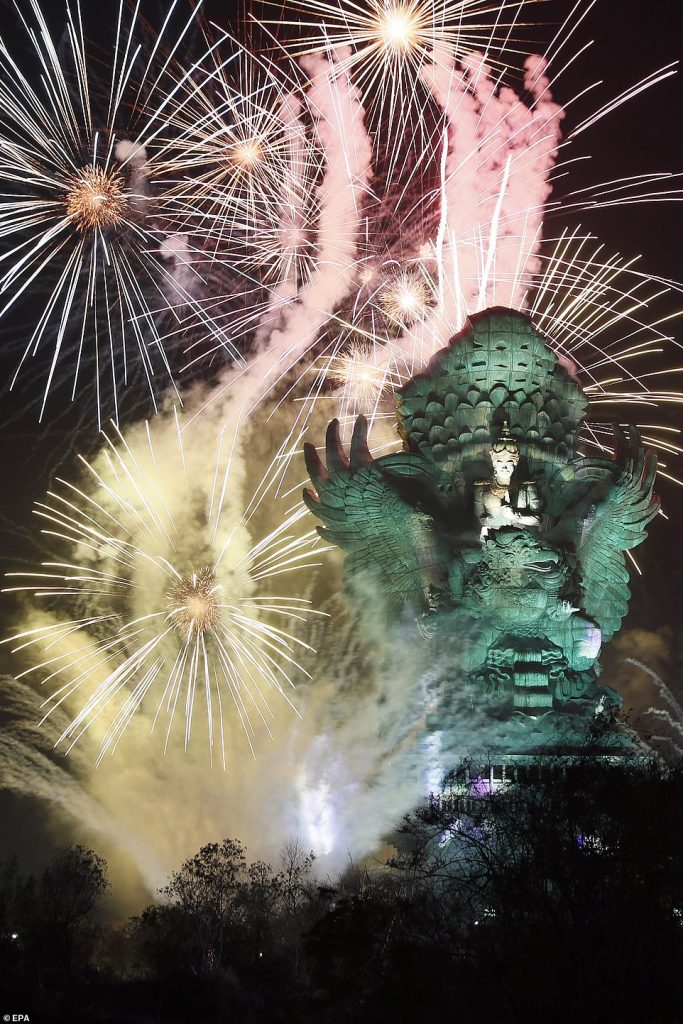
column 336, row 108
column 172, row 592
column 495, row 184
column 28, row 767
column 501, row 153
column 292, row 222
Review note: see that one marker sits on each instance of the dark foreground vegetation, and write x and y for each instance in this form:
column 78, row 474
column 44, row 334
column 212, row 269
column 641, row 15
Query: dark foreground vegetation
column 559, row 899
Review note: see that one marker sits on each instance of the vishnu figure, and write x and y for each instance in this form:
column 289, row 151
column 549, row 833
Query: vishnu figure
column 499, row 501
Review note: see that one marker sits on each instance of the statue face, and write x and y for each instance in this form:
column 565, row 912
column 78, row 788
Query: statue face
column 503, row 467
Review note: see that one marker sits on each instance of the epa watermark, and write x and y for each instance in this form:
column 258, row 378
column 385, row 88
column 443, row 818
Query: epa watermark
column 16, row 1016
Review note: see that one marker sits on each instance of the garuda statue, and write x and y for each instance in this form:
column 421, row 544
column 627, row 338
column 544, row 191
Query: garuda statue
column 489, row 522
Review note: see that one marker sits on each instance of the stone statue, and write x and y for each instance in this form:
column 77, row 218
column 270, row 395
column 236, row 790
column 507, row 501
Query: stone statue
column 497, row 502
column 490, row 522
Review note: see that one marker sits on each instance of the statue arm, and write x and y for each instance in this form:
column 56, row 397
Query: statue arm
column 480, row 508
column 528, row 505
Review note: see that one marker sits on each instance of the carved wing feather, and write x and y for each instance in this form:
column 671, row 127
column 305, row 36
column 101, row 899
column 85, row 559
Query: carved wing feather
column 385, row 538
column 617, row 524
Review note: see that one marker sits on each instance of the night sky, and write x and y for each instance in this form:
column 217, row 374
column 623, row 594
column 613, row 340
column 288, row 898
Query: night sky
column 644, row 135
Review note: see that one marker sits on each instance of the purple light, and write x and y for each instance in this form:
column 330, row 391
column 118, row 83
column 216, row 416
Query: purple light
column 480, row 787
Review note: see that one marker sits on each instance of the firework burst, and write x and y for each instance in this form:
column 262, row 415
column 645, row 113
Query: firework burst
column 245, row 165
column 361, row 377
column 172, row 588
column 194, row 603
column 386, row 36
column 405, row 299
column 80, row 215
column 96, row 200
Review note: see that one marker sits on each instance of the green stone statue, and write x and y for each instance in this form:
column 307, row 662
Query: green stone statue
column 489, row 522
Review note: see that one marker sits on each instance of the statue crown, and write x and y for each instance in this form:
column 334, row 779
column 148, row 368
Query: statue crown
column 505, row 442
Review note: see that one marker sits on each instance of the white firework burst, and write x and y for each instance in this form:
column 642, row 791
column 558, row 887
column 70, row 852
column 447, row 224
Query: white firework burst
column 244, row 163
column 86, row 247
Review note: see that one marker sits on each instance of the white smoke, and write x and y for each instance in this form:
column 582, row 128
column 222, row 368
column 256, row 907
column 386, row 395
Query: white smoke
column 335, row 105
column 500, row 155
column 29, row 766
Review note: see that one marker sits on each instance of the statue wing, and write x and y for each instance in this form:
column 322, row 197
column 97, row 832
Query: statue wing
column 614, row 525
column 386, row 539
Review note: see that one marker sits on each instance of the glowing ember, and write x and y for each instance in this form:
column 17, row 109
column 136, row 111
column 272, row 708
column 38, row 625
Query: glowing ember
column 247, row 154
column 97, row 199
column 194, row 603
column 405, row 299
column 398, row 29
column 363, row 373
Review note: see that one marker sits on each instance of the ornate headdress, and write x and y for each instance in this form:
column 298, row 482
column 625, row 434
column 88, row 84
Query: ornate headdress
column 498, row 368
column 505, row 442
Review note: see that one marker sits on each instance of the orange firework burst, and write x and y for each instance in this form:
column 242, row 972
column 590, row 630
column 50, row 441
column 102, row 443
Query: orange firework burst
column 97, row 199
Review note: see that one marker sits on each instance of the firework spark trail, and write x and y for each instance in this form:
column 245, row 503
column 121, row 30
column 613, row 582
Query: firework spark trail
column 179, row 594
column 385, row 38
column 665, row 718
column 78, row 214
column 662, row 689
column 339, row 115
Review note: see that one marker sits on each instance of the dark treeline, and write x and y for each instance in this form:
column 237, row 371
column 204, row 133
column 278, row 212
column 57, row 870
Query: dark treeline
column 560, row 899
